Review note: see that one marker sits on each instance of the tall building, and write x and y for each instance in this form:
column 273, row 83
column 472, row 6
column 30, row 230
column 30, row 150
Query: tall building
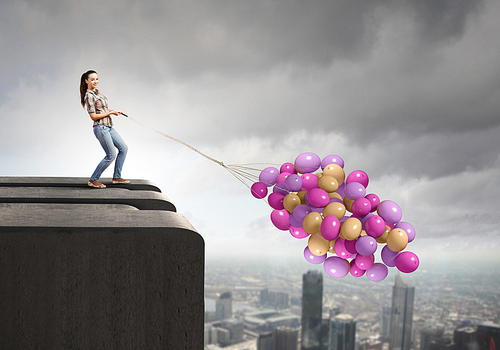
column 465, row 338
column 286, row 338
column 488, row 336
column 342, row 333
column 312, row 303
column 428, row 335
column 265, row 341
column 385, row 321
column 223, row 306
column 401, row 315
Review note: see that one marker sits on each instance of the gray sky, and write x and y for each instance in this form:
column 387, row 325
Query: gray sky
column 407, row 91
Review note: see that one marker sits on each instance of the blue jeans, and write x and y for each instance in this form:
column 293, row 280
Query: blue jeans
column 109, row 139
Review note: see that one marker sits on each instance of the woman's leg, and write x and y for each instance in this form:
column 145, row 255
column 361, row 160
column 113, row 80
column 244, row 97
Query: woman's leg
column 102, row 133
column 122, row 153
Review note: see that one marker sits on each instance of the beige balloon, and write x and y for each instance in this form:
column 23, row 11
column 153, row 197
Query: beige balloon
column 336, row 171
column 319, row 175
column 348, row 203
column 331, row 249
column 336, row 209
column 328, row 183
column 335, row 195
column 318, row 245
column 397, row 240
column 383, row 238
column 302, row 196
column 312, row 223
column 351, row 229
column 291, row 201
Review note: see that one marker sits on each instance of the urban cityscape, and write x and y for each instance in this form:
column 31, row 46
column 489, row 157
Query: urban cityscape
column 252, row 306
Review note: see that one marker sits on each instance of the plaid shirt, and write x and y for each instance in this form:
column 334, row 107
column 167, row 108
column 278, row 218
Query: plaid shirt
column 98, row 103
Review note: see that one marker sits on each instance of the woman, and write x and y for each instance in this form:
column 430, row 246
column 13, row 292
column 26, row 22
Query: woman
column 97, row 107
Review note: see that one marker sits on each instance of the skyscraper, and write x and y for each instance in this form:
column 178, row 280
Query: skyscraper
column 223, row 306
column 312, row 303
column 401, row 315
column 488, row 336
column 286, row 338
column 428, row 335
column 342, row 332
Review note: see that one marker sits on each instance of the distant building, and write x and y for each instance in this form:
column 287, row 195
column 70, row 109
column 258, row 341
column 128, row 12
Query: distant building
column 465, row 338
column 210, row 336
column 488, row 336
column 223, row 306
column 385, row 322
column 236, row 331
column 342, row 333
column 312, row 301
column 428, row 335
column 401, row 315
column 286, row 338
column 277, row 300
column 442, row 344
column 265, row 341
column 267, row 320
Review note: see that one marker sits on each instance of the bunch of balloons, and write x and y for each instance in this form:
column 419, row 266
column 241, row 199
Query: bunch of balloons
column 337, row 216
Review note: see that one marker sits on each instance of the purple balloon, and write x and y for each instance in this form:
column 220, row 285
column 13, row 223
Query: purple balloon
column 332, row 159
column 354, row 190
column 410, row 231
column 336, row 267
column 374, row 201
column 268, row 176
column 313, row 259
column 298, row 232
column 317, row 210
column 377, row 272
column 259, row 190
column 407, row 262
column 375, row 226
column 280, row 219
column 364, row 262
column 307, row 162
column 318, row 198
column 330, row 228
column 390, row 212
column 300, row 212
column 355, row 270
column 280, row 188
column 366, row 245
column 358, row 176
column 293, row 183
column 294, row 221
column 275, row 200
column 341, row 190
column 388, row 256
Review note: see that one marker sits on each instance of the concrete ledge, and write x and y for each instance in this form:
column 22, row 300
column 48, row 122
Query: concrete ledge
column 92, row 269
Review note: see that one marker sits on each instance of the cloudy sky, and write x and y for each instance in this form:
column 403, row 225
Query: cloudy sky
column 406, row 90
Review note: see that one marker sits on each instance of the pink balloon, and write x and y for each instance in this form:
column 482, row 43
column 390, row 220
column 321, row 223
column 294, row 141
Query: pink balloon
column 307, row 162
column 358, row 176
column 350, row 246
column 336, row 267
column 330, row 228
column 318, row 198
column 282, row 177
column 410, row 231
column 355, row 270
column 361, row 207
column 388, row 256
column 366, row 245
column 374, row 201
column 377, row 272
column 275, row 200
column 407, row 262
column 375, row 226
column 309, row 181
column 390, row 212
column 280, row 219
column 259, row 190
column 313, row 259
column 289, row 168
column 298, row 232
column 340, row 249
column 364, row 262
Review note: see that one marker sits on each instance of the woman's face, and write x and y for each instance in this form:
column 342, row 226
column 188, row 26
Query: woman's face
column 92, row 81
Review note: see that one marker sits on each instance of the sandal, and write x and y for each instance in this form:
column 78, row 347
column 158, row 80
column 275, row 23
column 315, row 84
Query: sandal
column 120, row 181
column 96, row 184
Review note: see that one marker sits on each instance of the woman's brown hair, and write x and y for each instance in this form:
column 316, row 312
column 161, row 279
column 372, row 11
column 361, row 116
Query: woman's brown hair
column 83, row 85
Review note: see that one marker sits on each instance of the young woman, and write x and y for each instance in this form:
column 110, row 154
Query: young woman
column 97, row 107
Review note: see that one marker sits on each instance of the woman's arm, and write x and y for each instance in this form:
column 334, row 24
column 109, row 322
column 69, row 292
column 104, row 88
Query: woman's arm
column 95, row 116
